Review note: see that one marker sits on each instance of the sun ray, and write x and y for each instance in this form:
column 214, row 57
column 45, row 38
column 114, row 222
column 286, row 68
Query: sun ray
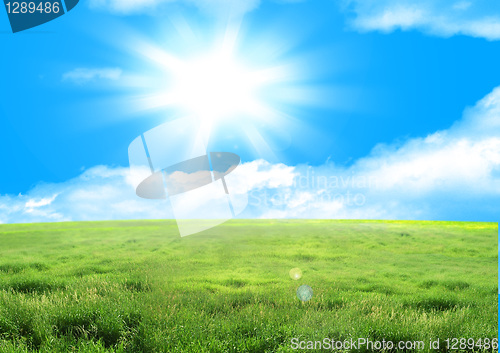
column 222, row 78
column 259, row 144
column 165, row 60
column 154, row 101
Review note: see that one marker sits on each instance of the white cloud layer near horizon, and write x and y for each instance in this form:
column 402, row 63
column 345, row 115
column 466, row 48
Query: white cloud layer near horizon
column 444, row 18
column 452, row 174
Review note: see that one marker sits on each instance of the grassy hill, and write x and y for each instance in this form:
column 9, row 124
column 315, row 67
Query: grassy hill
column 137, row 286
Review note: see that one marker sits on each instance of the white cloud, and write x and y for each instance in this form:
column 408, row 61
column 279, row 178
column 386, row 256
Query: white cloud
column 213, row 7
column 37, row 208
column 260, row 174
column 84, row 75
column 451, row 175
column 98, row 193
column 32, row 203
column 106, row 193
column 443, row 17
column 441, row 176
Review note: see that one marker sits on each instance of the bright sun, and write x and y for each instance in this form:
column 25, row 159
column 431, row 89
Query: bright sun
column 217, row 86
column 214, row 87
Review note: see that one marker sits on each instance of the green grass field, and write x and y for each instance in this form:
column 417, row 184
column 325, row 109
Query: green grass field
column 136, row 286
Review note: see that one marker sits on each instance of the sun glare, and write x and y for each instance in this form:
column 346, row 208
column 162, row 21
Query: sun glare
column 247, row 86
column 215, row 87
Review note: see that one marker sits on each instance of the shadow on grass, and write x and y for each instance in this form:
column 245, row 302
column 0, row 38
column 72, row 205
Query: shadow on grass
column 235, row 283
column 97, row 325
column 450, row 285
column 436, row 304
column 32, row 286
column 91, row 270
column 13, row 268
column 137, row 286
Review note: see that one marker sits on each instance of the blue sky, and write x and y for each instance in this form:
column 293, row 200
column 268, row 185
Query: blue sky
column 401, row 93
